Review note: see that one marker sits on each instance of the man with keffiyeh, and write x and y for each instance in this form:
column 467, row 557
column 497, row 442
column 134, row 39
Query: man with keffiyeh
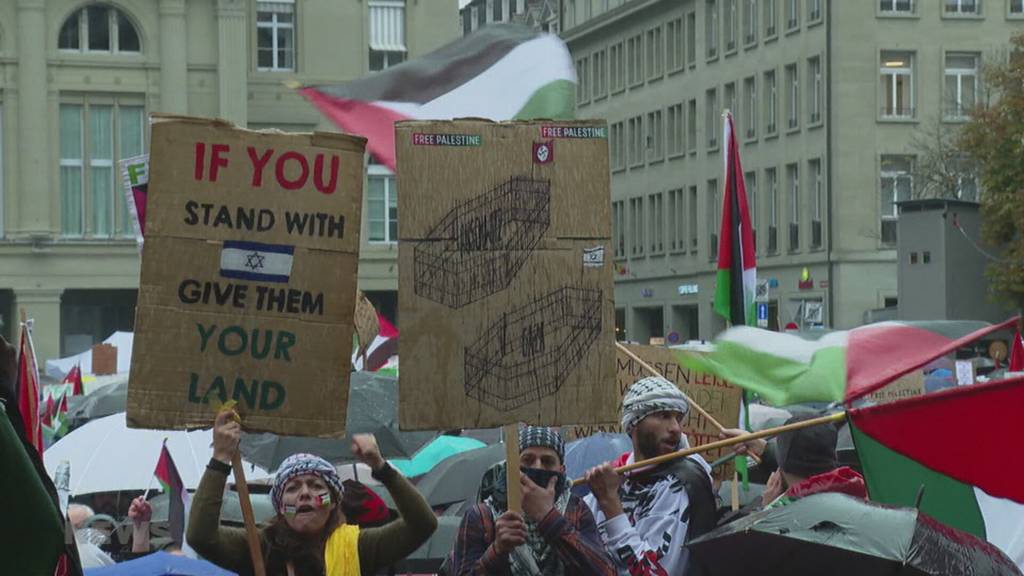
column 646, row 516
column 556, row 535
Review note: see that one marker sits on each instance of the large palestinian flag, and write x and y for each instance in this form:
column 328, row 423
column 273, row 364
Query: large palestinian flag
column 737, row 266
column 840, row 366
column 957, row 450
column 500, row 72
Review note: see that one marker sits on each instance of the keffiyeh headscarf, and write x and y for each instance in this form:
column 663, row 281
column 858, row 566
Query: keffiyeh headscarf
column 542, row 437
column 649, row 395
column 299, row 465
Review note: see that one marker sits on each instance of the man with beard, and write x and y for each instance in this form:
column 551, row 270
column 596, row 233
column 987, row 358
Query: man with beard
column 555, row 535
column 646, row 516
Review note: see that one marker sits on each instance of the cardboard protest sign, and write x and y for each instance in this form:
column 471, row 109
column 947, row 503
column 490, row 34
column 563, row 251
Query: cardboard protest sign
column 505, row 279
column 367, row 325
column 135, row 179
column 908, row 386
column 719, row 398
column 104, row 359
column 248, row 278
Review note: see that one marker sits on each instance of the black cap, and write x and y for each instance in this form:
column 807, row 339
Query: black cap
column 808, row 451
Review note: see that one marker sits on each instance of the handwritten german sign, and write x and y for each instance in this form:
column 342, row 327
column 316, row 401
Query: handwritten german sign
column 248, row 278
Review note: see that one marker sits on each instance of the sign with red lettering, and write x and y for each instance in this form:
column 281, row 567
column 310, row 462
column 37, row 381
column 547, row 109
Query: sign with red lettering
column 248, row 277
column 716, row 396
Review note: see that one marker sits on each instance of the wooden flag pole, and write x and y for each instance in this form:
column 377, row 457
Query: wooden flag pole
column 831, row 418
column 513, row 488
column 250, row 520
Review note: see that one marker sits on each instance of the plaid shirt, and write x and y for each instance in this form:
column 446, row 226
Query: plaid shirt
column 573, row 536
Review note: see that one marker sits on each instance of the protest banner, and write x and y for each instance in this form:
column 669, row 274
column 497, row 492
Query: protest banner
column 908, row 386
column 505, row 279
column 716, row 396
column 248, row 278
column 135, row 180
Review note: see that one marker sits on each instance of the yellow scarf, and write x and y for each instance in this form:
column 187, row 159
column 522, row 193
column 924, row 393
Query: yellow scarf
column 341, row 554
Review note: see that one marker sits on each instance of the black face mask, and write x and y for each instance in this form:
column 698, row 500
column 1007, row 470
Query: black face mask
column 541, row 478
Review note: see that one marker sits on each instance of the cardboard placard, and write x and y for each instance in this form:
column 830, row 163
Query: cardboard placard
column 248, row 278
column 505, row 290
column 719, row 398
column 908, row 386
column 104, row 359
column 367, row 325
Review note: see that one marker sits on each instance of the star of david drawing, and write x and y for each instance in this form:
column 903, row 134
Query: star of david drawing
column 254, row 261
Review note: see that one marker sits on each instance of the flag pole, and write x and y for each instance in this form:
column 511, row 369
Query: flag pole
column 513, row 490
column 247, row 515
column 830, row 419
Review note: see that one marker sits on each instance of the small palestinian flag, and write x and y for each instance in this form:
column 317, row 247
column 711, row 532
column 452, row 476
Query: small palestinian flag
column 167, row 473
column 500, row 72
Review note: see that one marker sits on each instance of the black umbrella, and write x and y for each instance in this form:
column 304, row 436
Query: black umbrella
column 841, row 535
column 372, row 408
column 457, row 479
column 109, row 399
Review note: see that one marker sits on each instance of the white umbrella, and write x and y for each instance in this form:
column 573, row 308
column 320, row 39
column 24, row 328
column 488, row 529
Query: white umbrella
column 107, row 456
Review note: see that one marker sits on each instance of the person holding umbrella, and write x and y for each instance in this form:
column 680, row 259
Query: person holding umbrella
column 309, row 536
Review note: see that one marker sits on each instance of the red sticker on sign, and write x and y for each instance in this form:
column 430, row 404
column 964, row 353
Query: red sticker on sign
column 543, row 152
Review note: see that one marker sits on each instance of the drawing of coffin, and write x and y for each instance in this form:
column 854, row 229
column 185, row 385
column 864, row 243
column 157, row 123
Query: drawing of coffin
column 480, row 245
column 528, row 354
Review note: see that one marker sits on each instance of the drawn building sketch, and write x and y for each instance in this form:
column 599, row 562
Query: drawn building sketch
column 529, row 352
column 477, row 249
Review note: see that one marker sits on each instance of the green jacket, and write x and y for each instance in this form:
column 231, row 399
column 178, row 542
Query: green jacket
column 378, row 547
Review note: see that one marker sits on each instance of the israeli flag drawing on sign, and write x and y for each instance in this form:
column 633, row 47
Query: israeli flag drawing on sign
column 256, row 261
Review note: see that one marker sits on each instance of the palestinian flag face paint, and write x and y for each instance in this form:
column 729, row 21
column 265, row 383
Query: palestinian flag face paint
column 322, row 500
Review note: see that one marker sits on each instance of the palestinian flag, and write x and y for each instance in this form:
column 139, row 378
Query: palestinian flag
column 959, row 448
column 380, row 351
column 74, row 380
column 737, row 266
column 54, row 411
column 840, row 366
column 167, row 474
column 500, row 72
column 28, row 388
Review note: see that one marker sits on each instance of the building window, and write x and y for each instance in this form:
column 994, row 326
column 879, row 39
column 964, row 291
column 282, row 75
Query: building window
column 636, row 60
column 387, row 34
column 731, row 24
column 1016, row 7
column 656, row 207
column 583, row 80
column 771, row 16
column 636, row 217
column 793, row 183
column 961, row 85
column 714, row 218
column 711, row 115
column 95, row 134
column 750, row 184
column 498, row 16
column 676, row 46
column 792, row 14
column 618, row 67
column 816, row 89
column 655, row 137
column 619, row 229
column 655, row 53
column 636, row 141
column 677, row 220
column 772, row 180
column 600, row 74
column 2, row 181
column 275, row 36
column 676, row 144
column 99, row 28
column 897, row 83
column 964, row 179
column 691, row 39
column 381, row 204
column 962, row 7
column 749, row 21
column 730, row 103
column 896, row 6
column 750, row 106
column 771, row 103
column 467, row 21
column 618, row 141
column 692, row 225
column 711, row 29
column 792, row 97
column 691, row 126
column 813, row 11
column 896, row 184
column 818, row 207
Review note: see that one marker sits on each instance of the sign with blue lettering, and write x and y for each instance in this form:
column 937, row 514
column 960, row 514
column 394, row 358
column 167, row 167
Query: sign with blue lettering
column 762, row 314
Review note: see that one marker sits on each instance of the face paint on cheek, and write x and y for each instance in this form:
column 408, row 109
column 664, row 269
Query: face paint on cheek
column 319, row 501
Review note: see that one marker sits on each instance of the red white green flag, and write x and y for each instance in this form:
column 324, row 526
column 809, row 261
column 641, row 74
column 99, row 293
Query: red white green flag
column 167, row 474
column 737, row 267
column 958, row 449
column 28, row 388
column 500, row 72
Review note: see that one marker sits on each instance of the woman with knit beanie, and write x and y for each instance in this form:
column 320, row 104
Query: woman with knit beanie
column 309, row 536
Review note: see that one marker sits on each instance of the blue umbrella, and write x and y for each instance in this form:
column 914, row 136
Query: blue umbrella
column 439, row 449
column 585, row 453
column 160, row 564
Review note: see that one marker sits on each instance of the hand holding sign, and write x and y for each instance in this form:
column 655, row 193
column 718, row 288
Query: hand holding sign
column 227, row 432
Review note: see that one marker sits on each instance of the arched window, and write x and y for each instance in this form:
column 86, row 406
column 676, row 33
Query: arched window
column 99, row 28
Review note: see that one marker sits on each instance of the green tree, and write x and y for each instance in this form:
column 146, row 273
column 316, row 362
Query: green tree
column 994, row 138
